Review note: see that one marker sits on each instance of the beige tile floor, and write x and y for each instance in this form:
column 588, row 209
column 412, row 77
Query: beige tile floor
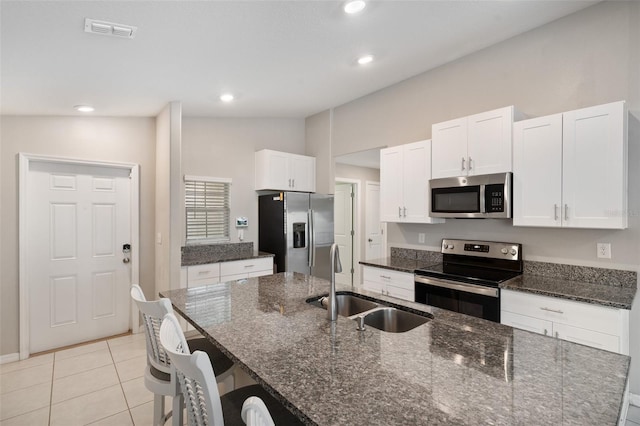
column 95, row 384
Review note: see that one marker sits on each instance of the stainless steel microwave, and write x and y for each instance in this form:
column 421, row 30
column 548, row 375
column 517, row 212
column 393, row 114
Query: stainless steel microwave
column 482, row 196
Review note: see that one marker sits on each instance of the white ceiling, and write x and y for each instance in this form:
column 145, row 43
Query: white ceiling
column 280, row 58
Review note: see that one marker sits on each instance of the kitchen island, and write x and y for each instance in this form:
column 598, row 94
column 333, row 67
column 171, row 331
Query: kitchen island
column 454, row 369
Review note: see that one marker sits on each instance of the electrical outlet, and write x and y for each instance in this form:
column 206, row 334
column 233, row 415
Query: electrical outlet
column 421, row 238
column 604, row 250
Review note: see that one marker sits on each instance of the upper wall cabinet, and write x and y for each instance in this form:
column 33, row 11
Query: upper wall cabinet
column 475, row 145
column 570, row 169
column 404, row 183
column 283, row 171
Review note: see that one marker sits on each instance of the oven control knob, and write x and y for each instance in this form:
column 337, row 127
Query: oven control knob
column 514, row 252
column 504, row 251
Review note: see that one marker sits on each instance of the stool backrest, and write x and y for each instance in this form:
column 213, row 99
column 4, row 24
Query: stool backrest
column 195, row 375
column 152, row 314
column 255, row 413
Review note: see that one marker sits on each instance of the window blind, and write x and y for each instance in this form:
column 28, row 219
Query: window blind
column 207, row 209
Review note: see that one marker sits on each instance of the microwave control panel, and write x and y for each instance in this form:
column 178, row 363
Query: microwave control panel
column 494, row 198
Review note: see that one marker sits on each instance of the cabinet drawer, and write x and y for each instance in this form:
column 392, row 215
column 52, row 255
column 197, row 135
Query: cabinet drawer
column 524, row 322
column 386, row 276
column 401, row 293
column 591, row 338
column 586, row 316
column 373, row 286
column 246, row 266
column 208, row 272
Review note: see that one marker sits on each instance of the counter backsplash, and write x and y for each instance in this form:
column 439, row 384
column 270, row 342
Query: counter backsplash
column 588, row 274
column 216, row 251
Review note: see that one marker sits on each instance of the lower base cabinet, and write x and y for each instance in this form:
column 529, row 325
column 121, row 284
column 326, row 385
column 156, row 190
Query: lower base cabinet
column 592, row 325
column 389, row 283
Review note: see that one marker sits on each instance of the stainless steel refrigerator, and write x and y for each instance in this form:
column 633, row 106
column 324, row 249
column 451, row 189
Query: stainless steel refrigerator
column 297, row 228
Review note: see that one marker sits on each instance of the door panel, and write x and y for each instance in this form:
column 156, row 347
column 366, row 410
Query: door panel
column 373, row 226
column 78, row 220
column 343, row 227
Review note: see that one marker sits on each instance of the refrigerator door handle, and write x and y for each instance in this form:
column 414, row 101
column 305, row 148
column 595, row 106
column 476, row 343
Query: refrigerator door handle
column 312, row 240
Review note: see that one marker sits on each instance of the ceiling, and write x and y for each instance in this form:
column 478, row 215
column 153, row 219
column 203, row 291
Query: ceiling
column 279, row 58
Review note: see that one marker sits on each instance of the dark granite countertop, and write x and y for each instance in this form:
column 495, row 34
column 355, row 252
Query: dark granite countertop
column 597, row 294
column 455, row 369
column 397, row 264
column 228, row 257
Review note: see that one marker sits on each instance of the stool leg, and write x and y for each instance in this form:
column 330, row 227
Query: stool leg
column 178, row 405
column 158, row 410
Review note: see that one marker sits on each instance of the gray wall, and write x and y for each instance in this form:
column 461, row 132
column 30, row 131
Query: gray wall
column 127, row 140
column 584, row 59
column 225, row 147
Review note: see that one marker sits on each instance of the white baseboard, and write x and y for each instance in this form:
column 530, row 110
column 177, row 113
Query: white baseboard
column 634, row 399
column 4, row 359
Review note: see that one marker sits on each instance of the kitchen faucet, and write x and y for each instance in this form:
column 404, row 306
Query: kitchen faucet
column 336, row 266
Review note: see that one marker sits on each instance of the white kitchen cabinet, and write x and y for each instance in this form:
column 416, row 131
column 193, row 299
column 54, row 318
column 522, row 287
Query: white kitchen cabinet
column 593, row 325
column 475, row 145
column 390, row 283
column 570, row 169
column 283, row 171
column 236, row 270
column 213, row 273
column 404, row 183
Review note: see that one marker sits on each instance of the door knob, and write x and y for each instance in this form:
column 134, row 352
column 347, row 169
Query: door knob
column 125, row 260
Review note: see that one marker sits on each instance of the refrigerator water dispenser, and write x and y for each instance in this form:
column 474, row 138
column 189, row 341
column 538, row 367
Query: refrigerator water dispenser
column 299, row 235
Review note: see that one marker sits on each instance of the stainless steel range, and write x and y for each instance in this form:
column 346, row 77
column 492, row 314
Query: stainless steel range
column 468, row 279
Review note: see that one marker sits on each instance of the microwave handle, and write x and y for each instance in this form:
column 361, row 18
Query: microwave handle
column 483, row 206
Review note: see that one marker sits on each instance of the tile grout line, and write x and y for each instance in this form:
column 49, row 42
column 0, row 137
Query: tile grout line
column 120, row 383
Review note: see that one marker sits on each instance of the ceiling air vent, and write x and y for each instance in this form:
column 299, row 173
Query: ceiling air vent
column 109, row 28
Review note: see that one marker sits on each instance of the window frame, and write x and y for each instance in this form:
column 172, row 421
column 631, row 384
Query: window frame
column 216, row 208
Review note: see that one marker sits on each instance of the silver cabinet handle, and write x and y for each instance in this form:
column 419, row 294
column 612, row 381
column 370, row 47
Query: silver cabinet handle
column 289, row 183
column 293, row 183
column 399, row 211
column 557, row 311
column 557, row 335
column 249, row 266
column 566, row 212
column 462, row 163
column 385, row 277
column 546, row 332
column 405, row 211
column 469, row 163
column 555, row 212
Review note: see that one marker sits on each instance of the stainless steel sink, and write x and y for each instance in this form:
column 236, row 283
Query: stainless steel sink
column 347, row 304
column 394, row 320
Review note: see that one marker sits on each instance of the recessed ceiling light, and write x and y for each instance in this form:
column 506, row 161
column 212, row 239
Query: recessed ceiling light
column 364, row 60
column 84, row 108
column 354, row 6
column 226, row 97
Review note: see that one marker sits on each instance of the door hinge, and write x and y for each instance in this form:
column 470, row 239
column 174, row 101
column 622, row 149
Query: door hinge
column 352, row 195
column 352, row 270
column 352, row 233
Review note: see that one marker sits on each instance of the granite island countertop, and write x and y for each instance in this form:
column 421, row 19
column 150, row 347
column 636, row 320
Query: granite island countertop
column 455, row 369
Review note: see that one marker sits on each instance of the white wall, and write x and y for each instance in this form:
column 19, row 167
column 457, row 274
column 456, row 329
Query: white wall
column 129, row 140
column 225, row 147
column 584, row 59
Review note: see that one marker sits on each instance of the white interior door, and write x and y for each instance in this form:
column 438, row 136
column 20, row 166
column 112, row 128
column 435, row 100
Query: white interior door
column 344, row 230
column 373, row 227
column 78, row 219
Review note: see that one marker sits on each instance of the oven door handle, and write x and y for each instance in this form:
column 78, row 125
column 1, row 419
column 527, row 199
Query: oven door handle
column 467, row 288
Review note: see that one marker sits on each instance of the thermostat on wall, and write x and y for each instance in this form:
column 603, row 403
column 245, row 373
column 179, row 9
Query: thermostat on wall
column 242, row 222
